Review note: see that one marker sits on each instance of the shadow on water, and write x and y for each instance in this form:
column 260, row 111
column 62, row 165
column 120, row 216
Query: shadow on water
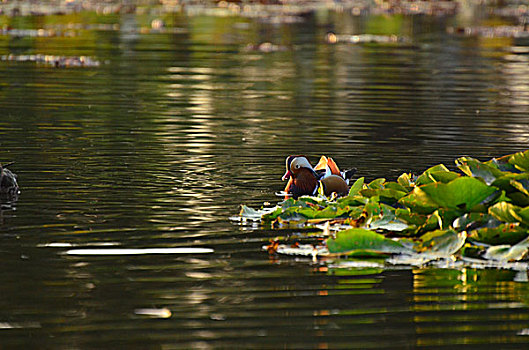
column 188, row 115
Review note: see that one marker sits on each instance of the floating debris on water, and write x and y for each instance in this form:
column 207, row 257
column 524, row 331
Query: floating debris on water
column 54, row 61
column 266, row 47
column 333, row 38
column 519, row 31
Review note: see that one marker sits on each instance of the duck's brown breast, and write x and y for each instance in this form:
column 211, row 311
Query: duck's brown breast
column 334, row 183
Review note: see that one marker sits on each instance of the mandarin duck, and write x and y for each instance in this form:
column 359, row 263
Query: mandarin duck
column 303, row 179
column 8, row 181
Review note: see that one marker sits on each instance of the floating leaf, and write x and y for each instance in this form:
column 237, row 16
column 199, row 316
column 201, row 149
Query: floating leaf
column 507, row 252
column 356, row 187
column 377, row 183
column 520, row 160
column 419, row 202
column 473, row 167
column 438, row 173
column 385, row 194
column 442, row 243
column 362, row 240
column 461, row 193
column 503, row 233
column 256, row 214
column 505, row 212
column 405, row 180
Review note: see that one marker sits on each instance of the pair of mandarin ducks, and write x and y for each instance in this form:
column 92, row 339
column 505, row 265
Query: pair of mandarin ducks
column 303, row 179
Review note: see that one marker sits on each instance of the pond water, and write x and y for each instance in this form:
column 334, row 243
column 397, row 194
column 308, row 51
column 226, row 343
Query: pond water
column 147, row 130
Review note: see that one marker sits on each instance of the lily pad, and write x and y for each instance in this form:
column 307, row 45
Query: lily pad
column 356, row 187
column 473, row 167
column 507, row 252
column 504, row 233
column 362, row 240
column 419, row 202
column 438, row 173
column 442, row 243
column 520, row 160
column 462, row 193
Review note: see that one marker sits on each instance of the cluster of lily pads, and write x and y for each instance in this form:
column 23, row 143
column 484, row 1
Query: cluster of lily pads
column 479, row 215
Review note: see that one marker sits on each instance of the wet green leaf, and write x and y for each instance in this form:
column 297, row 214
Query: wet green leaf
column 377, row 183
column 462, row 193
column 396, row 186
column 356, row 187
column 505, row 212
column 503, row 233
column 473, row 167
column 419, row 202
column 438, row 173
column 442, row 243
column 358, row 239
column 507, row 252
column 520, row 160
column 385, row 194
column 405, row 180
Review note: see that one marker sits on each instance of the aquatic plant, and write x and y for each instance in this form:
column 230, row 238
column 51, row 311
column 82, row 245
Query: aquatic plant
column 479, row 215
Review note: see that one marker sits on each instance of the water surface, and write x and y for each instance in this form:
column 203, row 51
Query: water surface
column 156, row 143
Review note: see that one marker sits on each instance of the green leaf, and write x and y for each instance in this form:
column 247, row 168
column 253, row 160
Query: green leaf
column 473, row 167
column 356, row 187
column 505, row 212
column 396, row 186
column 520, row 160
column 461, row 193
column 442, row 243
column 362, row 240
column 438, row 173
column 419, row 202
column 503, row 233
column 385, row 194
column 507, row 252
column 405, row 181
column 377, row 183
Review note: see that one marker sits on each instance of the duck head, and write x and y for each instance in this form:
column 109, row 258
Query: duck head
column 296, row 165
column 302, row 179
